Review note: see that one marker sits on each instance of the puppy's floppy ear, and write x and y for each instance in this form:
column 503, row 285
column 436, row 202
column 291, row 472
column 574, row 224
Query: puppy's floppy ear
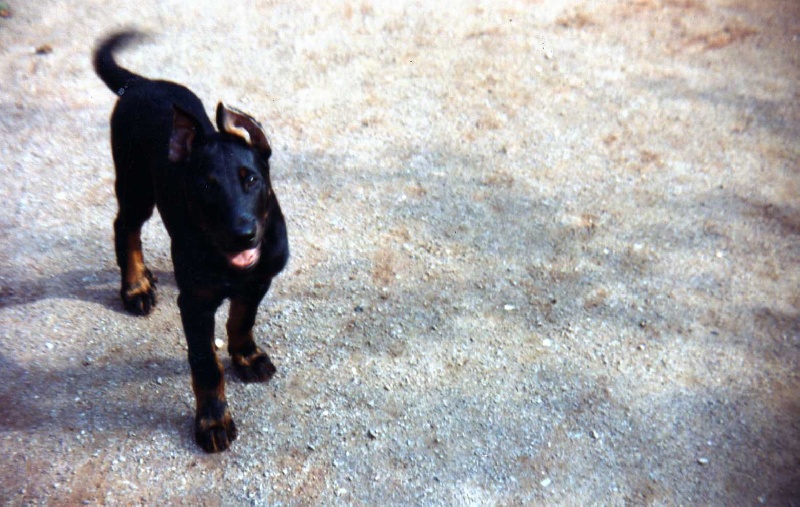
column 184, row 129
column 240, row 124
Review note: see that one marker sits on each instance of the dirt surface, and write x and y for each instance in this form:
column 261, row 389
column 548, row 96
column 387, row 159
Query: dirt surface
column 543, row 253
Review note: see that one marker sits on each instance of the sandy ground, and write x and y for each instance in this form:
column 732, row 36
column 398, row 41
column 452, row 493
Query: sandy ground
column 543, row 253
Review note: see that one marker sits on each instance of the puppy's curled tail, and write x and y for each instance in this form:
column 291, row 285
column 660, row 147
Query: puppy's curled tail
column 114, row 76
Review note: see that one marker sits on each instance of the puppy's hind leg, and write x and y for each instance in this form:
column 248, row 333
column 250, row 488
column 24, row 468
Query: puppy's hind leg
column 136, row 199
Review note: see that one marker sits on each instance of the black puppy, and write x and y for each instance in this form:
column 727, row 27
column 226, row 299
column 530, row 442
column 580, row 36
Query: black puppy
column 214, row 195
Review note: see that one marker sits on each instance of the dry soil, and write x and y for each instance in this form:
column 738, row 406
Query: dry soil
column 543, row 253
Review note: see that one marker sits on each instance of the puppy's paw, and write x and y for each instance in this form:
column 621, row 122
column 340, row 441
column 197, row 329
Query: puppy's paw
column 139, row 297
column 255, row 367
column 215, row 433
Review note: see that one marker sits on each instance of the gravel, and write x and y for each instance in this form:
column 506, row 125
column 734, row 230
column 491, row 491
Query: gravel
column 543, row 253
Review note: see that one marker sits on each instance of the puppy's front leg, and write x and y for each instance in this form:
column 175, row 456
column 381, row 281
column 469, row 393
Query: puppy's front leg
column 251, row 363
column 213, row 426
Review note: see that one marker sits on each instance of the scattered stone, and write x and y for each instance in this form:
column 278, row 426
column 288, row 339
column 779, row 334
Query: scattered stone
column 503, row 389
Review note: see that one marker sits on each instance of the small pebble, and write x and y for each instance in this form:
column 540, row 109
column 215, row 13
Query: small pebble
column 702, row 461
column 218, row 343
column 509, row 308
column 545, row 482
column 547, row 342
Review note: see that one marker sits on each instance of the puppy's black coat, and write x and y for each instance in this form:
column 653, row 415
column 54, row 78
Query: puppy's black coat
column 213, row 191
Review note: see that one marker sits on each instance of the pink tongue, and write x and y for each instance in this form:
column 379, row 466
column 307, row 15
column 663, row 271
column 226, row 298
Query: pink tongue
column 244, row 259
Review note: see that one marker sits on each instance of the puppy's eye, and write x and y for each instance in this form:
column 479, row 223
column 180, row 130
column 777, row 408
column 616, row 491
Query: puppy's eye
column 248, row 178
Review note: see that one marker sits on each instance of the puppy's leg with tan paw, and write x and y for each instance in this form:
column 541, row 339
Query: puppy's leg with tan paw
column 214, row 427
column 250, row 362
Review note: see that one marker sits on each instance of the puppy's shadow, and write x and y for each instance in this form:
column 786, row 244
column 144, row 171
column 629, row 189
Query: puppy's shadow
column 95, row 397
column 100, row 287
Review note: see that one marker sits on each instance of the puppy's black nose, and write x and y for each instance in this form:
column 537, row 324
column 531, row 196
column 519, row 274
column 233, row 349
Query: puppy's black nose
column 245, row 231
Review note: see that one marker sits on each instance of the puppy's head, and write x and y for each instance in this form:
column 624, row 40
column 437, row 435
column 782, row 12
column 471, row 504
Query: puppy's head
column 228, row 189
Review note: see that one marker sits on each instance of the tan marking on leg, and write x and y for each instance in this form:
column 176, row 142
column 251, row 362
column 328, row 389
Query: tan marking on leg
column 135, row 270
column 250, row 362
